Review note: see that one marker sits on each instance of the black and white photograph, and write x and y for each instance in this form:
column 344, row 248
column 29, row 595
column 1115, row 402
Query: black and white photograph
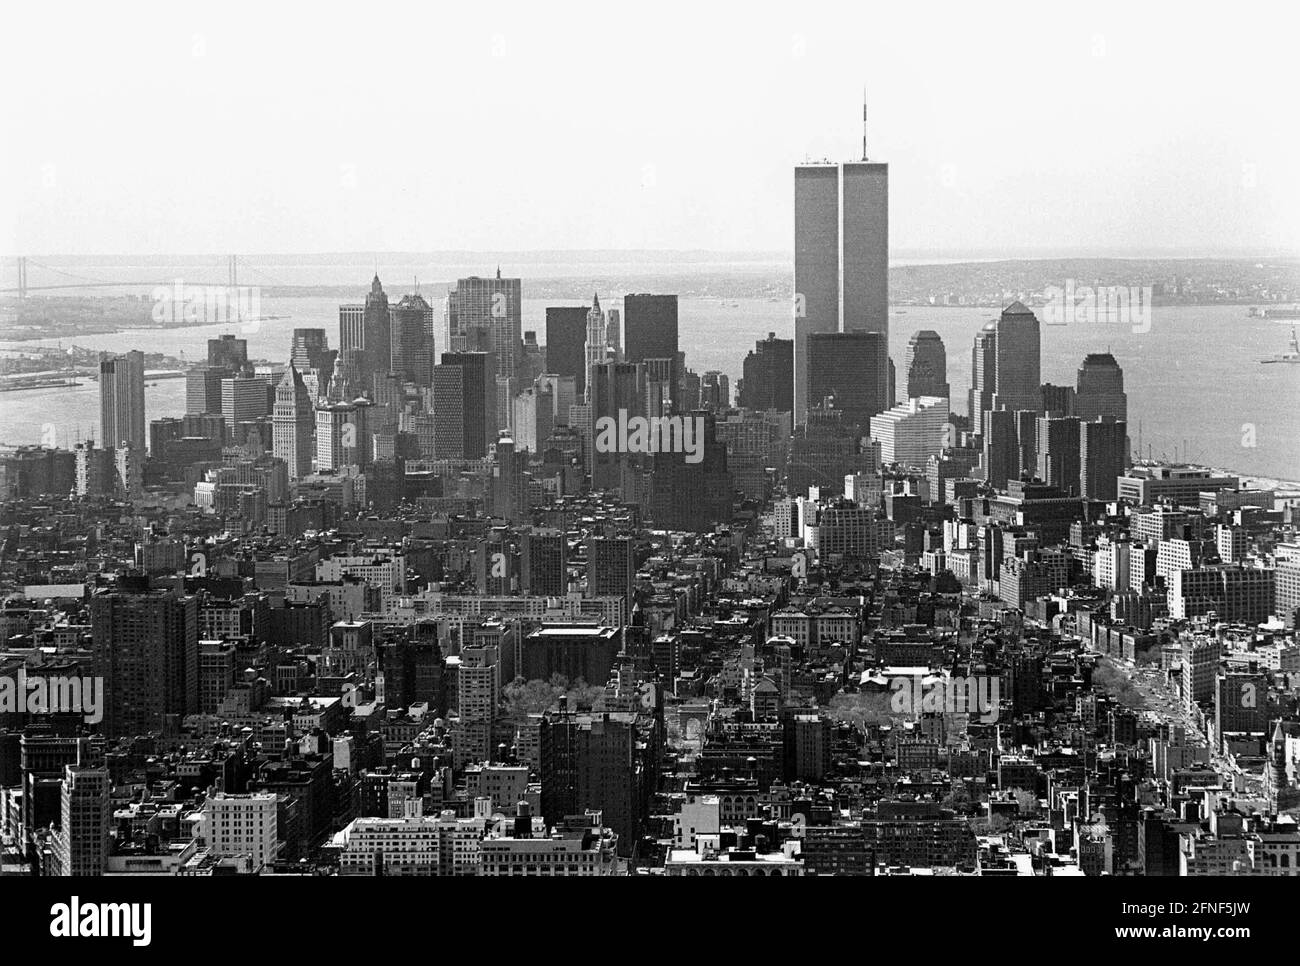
column 823, row 440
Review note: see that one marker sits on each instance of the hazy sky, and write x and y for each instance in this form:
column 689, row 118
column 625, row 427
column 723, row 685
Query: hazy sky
column 270, row 127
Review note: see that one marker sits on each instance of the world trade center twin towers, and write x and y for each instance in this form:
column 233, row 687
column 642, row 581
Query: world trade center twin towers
column 841, row 272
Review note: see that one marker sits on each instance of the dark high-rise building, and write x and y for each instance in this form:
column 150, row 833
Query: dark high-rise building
column 926, row 365
column 1059, row 400
column 366, row 336
column 1103, row 451
column 1019, row 360
column 544, row 564
column 1099, row 393
column 1058, row 453
column 463, row 406
column 848, row 369
column 693, row 496
column 1001, row 458
column 841, row 262
column 650, row 330
column 611, row 567
column 768, row 376
column 146, row 649
column 228, row 352
column 121, row 401
column 203, row 390
column 566, row 341
column 590, row 761
column 310, row 349
column 412, row 340
column 616, row 388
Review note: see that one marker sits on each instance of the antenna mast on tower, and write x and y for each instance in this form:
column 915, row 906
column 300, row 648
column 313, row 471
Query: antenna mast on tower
column 864, row 122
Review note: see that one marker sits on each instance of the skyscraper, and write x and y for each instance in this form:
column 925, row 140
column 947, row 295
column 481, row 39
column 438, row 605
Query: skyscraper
column 984, row 374
column 650, row 331
column 1103, row 448
column 486, row 315
column 767, row 380
column 926, row 365
column 146, row 650
column 412, row 340
column 1000, row 460
column 81, row 844
column 1099, row 392
column 566, row 339
column 463, row 402
column 366, row 335
column 849, row 369
column 228, row 352
column 911, row 432
column 310, row 350
column 121, row 400
column 1018, row 369
column 596, row 349
column 841, row 261
column 293, row 423
column 1058, row 453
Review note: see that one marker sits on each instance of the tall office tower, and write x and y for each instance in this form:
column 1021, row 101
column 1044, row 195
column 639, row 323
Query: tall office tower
column 82, row 842
column 121, row 400
column 310, row 350
column 293, row 423
column 983, row 376
column 464, row 400
column 911, row 432
column 596, row 349
column 591, row 761
column 238, row 825
column 545, row 564
column 532, row 360
column 693, row 496
column 659, row 385
column 841, row 262
column 650, row 330
column 478, row 689
column 617, row 388
column 564, row 393
column 611, row 567
column 1100, row 389
column 848, row 368
column 1059, row 400
column 146, row 650
column 566, row 341
column 823, row 451
column 1000, row 460
column 343, row 432
column 1058, row 453
column 767, row 380
column 715, row 391
column 228, row 352
column 486, row 315
column 367, row 331
column 1103, row 451
column 1026, row 423
column 1019, row 351
column 927, row 365
column 509, row 485
column 412, row 340
column 203, row 390
column 244, row 397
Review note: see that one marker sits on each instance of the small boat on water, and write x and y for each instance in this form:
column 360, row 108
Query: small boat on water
column 1292, row 357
